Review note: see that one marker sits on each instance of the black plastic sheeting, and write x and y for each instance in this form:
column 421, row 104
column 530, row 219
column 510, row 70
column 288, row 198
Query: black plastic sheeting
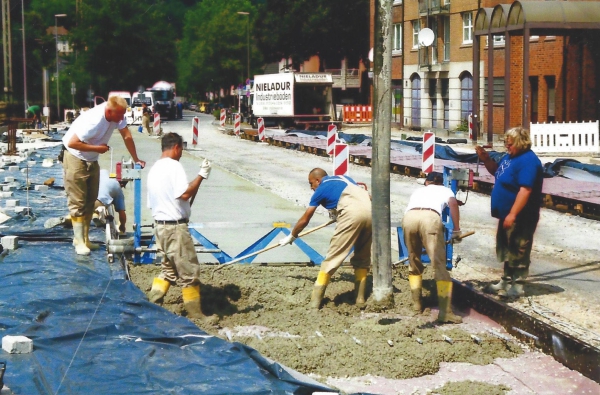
column 94, row 332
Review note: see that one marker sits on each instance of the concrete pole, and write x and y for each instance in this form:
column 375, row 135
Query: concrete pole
column 380, row 164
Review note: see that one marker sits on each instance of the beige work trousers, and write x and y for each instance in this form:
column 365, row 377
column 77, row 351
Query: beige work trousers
column 146, row 123
column 424, row 228
column 180, row 263
column 82, row 181
column 353, row 229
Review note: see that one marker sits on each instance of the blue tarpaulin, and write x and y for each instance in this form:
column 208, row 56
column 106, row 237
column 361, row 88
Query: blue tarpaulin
column 94, row 332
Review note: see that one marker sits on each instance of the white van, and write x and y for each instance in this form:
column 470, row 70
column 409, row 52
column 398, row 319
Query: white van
column 127, row 97
column 136, row 105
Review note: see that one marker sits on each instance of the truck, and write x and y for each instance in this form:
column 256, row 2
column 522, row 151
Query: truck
column 136, row 106
column 164, row 97
column 302, row 100
column 127, row 96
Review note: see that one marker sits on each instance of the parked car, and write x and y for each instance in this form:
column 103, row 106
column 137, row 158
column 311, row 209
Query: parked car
column 193, row 107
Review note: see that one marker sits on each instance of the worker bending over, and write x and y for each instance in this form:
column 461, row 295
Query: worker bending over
column 110, row 192
column 170, row 198
column 422, row 226
column 351, row 206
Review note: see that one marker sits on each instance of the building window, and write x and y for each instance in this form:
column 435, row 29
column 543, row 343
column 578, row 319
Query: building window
column 397, row 2
column 446, row 39
column 415, row 102
column 499, row 41
column 467, row 28
column 466, row 95
column 397, row 40
column 498, row 91
column 416, row 25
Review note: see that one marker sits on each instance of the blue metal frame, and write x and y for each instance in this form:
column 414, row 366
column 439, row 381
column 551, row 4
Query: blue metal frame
column 137, row 216
column 264, row 241
column 222, row 257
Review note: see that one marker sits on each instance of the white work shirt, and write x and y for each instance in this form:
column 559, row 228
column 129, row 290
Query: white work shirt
column 435, row 197
column 166, row 183
column 92, row 128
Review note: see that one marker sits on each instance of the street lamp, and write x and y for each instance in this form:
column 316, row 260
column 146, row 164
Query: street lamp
column 56, row 16
column 247, row 37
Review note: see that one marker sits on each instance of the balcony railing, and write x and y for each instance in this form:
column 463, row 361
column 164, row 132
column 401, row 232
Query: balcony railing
column 429, row 7
column 349, row 79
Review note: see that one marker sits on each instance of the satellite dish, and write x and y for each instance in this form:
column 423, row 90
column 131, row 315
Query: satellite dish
column 371, row 55
column 426, row 37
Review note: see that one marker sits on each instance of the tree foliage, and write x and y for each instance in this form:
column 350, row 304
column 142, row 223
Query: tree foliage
column 300, row 29
column 213, row 49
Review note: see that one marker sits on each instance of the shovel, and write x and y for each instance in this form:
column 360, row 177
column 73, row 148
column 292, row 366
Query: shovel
column 462, row 236
column 270, row 247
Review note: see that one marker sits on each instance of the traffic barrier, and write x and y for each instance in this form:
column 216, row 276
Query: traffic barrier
column 341, row 156
column 236, row 124
column 222, row 118
column 331, row 138
column 358, row 114
column 428, row 152
column 156, row 125
column 580, row 137
column 470, row 126
column 261, row 129
column 195, row 131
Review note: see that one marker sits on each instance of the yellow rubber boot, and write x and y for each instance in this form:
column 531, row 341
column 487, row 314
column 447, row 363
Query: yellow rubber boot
column 191, row 301
column 78, row 236
column 416, row 289
column 360, row 284
column 159, row 289
column 86, row 233
column 319, row 290
column 444, row 289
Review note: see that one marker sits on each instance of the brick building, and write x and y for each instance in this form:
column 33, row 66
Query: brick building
column 437, row 84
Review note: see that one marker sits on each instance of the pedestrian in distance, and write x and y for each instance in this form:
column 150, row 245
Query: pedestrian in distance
column 36, row 113
column 423, row 227
column 170, row 198
column 350, row 206
column 146, row 118
column 85, row 140
column 516, row 201
column 110, row 192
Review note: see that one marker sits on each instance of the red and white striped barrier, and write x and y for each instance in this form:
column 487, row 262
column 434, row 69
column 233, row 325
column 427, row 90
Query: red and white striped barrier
column 195, row 131
column 156, row 124
column 236, row 124
column 341, row 158
column 428, row 152
column 331, row 137
column 470, row 126
column 261, row 129
column 222, row 118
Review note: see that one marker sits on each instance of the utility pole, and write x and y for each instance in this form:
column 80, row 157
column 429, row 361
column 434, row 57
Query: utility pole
column 7, row 48
column 380, row 163
column 25, row 104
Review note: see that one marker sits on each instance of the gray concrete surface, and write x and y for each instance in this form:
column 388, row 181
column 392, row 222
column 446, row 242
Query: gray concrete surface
column 228, row 207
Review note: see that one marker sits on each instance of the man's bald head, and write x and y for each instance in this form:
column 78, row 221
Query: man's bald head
column 315, row 176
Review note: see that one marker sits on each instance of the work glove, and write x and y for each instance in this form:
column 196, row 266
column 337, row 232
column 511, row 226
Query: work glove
column 456, row 236
column 289, row 239
column 204, row 169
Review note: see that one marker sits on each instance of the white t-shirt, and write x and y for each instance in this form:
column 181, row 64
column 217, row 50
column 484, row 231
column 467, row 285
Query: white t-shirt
column 435, row 197
column 93, row 128
column 166, row 183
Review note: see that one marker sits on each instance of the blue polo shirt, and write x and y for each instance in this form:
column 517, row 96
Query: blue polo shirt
column 329, row 191
column 524, row 170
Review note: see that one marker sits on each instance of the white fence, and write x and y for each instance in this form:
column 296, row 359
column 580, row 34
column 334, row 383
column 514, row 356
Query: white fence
column 577, row 137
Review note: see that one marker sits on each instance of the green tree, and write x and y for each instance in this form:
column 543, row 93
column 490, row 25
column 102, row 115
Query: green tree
column 213, row 48
column 299, row 29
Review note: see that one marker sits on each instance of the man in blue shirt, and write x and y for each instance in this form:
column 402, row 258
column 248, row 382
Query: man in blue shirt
column 516, row 201
column 350, row 205
column 110, row 192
